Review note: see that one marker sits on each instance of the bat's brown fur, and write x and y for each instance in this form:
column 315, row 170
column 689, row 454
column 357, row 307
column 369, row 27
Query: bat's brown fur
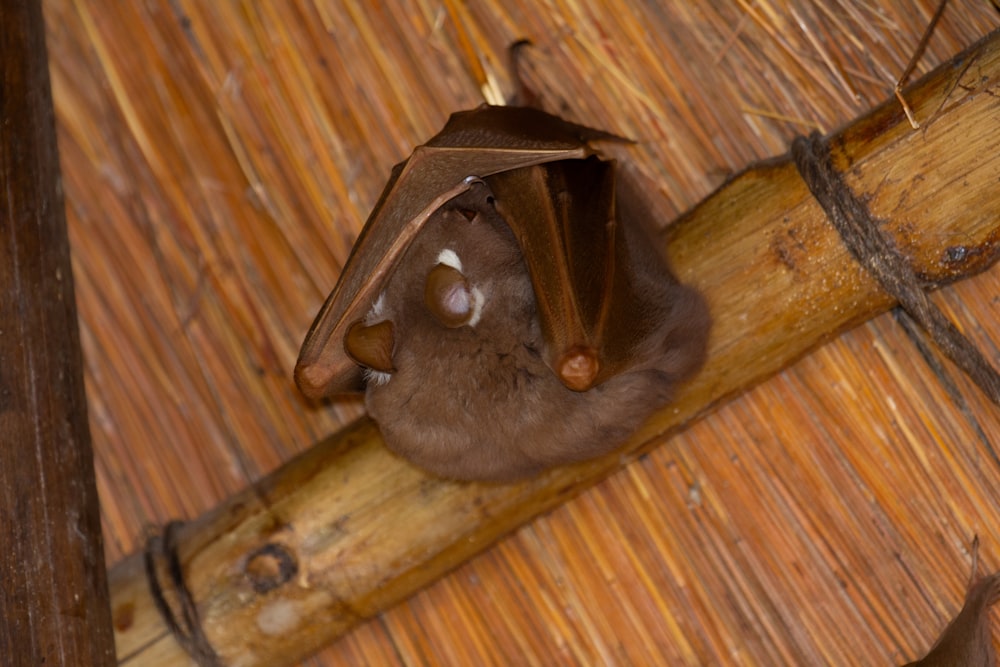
column 967, row 641
column 479, row 402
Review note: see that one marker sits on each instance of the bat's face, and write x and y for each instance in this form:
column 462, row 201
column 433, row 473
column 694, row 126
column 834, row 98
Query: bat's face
column 458, row 384
column 461, row 281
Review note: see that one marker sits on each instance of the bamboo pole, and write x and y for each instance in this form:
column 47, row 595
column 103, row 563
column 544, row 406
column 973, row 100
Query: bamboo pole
column 53, row 584
column 347, row 530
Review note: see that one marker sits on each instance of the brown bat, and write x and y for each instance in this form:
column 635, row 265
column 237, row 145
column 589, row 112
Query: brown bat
column 502, row 306
column 967, row 641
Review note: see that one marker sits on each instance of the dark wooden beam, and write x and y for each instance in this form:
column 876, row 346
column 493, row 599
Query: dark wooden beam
column 53, row 586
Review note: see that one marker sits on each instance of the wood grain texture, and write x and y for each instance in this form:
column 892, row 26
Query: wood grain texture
column 53, row 597
column 219, row 158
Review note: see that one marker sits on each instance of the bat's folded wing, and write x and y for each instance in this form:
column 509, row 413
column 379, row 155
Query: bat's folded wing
column 596, row 313
column 473, row 145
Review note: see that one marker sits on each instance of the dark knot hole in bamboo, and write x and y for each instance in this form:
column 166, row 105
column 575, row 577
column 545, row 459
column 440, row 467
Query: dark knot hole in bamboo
column 269, row 567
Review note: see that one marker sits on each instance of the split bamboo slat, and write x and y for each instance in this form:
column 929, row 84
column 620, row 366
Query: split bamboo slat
column 220, row 157
column 54, row 605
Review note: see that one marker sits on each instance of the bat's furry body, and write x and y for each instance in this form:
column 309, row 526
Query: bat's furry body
column 967, row 641
column 504, row 304
column 479, row 401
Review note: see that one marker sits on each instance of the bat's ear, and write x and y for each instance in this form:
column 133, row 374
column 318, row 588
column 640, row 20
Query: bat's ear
column 371, row 345
column 449, row 298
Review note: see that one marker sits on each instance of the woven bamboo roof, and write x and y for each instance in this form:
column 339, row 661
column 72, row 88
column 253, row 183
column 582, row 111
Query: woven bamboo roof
column 220, row 157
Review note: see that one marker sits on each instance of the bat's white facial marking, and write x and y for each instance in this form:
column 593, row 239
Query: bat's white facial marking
column 449, row 257
column 477, row 306
column 378, row 310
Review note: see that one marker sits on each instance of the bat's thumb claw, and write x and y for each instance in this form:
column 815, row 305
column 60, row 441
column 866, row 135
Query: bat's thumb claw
column 578, row 368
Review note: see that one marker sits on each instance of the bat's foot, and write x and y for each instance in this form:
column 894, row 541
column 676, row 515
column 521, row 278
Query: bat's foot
column 523, row 96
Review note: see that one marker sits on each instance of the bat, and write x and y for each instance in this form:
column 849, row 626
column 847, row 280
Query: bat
column 502, row 308
column 967, row 640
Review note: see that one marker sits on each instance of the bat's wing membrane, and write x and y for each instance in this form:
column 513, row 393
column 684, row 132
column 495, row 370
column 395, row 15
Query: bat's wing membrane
column 595, row 314
column 473, row 145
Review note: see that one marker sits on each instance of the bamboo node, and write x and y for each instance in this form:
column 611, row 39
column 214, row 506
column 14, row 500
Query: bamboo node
column 187, row 629
column 877, row 253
